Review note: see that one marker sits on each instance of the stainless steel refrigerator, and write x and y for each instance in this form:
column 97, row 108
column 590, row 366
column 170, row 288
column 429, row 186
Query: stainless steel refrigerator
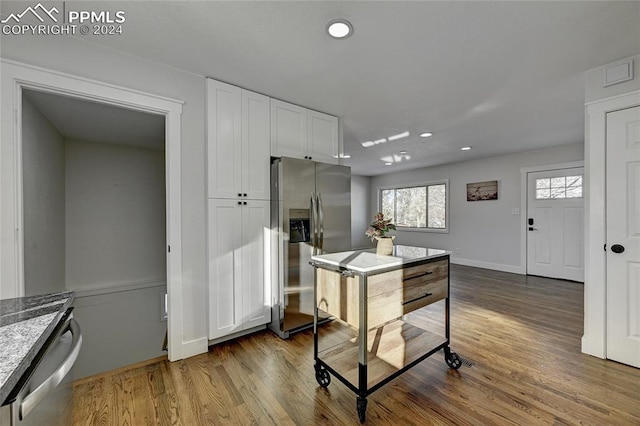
column 310, row 214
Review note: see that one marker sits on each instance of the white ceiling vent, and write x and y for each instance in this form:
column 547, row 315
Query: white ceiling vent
column 617, row 73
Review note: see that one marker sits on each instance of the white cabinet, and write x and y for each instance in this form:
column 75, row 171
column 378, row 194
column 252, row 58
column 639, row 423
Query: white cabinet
column 322, row 137
column 238, row 269
column 238, row 190
column 298, row 132
column 288, row 130
column 238, row 148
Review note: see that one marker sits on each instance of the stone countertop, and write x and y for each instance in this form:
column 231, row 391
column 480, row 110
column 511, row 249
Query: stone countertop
column 367, row 261
column 25, row 325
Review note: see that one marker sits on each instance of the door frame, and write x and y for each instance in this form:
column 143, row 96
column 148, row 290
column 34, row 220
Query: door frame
column 595, row 279
column 524, row 196
column 17, row 76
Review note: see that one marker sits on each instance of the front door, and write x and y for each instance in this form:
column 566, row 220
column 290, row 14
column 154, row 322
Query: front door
column 623, row 236
column 555, row 224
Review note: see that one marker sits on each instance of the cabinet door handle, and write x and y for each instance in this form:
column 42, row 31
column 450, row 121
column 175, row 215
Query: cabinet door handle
column 417, row 298
column 418, row 276
column 239, row 203
column 239, row 194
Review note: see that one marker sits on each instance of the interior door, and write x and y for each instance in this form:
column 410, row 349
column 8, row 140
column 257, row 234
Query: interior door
column 555, row 224
column 623, row 235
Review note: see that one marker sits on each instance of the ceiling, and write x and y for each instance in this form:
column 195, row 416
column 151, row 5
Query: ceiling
column 87, row 121
column 499, row 76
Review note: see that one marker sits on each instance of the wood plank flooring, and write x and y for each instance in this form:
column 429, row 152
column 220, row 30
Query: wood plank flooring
column 522, row 335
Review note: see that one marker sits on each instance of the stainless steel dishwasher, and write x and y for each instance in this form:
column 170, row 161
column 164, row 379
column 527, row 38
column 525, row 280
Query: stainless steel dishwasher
column 43, row 394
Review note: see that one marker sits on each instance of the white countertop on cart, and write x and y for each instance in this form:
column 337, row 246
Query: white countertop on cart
column 366, row 261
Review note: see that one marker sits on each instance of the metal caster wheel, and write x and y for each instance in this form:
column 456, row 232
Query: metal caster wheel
column 361, row 406
column 323, row 377
column 453, row 360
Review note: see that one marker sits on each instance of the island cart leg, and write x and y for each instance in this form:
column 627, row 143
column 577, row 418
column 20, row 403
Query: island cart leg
column 322, row 374
column 451, row 358
column 361, row 401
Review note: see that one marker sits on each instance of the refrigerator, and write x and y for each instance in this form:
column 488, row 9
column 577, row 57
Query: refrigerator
column 310, row 214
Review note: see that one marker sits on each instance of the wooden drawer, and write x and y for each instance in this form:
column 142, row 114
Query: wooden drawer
column 414, row 275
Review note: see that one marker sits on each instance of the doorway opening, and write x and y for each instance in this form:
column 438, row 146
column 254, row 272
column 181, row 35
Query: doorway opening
column 94, row 221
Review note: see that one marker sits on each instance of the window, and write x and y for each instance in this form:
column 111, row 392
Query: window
column 559, row 187
column 417, row 206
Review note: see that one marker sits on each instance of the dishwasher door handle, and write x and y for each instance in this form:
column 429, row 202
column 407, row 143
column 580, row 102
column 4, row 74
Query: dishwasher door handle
column 31, row 400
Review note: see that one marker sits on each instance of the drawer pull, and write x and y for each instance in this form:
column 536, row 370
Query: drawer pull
column 417, row 298
column 418, row 276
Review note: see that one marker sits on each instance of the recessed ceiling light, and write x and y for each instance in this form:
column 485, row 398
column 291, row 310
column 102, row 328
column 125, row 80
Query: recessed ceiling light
column 465, row 148
column 339, row 28
column 398, row 136
column 403, row 152
column 426, row 134
column 367, row 144
column 388, row 163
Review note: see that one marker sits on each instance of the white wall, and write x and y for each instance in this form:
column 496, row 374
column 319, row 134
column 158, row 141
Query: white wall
column 360, row 215
column 486, row 233
column 79, row 57
column 115, row 215
column 43, row 201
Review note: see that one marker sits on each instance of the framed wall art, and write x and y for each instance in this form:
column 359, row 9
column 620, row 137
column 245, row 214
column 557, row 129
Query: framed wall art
column 479, row 191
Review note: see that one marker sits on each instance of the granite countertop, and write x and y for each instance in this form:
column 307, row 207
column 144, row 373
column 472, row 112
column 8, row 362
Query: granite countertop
column 25, row 325
column 366, row 261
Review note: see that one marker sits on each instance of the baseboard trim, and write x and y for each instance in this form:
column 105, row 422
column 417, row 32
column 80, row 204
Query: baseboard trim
column 236, row 335
column 194, row 347
column 588, row 347
column 487, row 265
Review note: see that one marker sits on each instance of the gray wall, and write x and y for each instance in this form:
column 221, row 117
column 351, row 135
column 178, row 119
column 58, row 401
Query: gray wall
column 115, row 215
column 483, row 232
column 360, row 214
column 118, row 328
column 43, row 197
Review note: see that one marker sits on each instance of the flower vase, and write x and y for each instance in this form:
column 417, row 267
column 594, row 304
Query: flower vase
column 385, row 245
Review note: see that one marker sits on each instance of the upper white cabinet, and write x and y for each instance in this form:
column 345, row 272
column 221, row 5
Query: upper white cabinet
column 322, row 140
column 288, row 130
column 303, row 133
column 238, row 149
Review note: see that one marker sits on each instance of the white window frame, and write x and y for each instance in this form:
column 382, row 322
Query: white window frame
column 444, row 230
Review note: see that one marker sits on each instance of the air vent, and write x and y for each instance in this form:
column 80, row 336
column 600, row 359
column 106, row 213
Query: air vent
column 618, row 73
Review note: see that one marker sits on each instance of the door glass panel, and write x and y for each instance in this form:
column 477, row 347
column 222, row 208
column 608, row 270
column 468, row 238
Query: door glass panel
column 559, row 187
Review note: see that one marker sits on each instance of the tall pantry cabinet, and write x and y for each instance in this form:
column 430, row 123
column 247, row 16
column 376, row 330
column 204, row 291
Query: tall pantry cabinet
column 238, row 208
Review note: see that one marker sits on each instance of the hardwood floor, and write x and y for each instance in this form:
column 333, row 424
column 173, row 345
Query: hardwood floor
column 522, row 335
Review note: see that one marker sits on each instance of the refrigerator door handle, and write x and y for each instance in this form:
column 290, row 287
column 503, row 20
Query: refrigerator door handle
column 31, row 400
column 320, row 225
column 314, row 225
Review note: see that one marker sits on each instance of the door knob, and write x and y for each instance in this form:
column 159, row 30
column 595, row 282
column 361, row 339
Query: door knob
column 617, row 248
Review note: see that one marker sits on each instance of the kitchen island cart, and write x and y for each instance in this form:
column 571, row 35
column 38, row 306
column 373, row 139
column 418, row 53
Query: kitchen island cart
column 377, row 333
